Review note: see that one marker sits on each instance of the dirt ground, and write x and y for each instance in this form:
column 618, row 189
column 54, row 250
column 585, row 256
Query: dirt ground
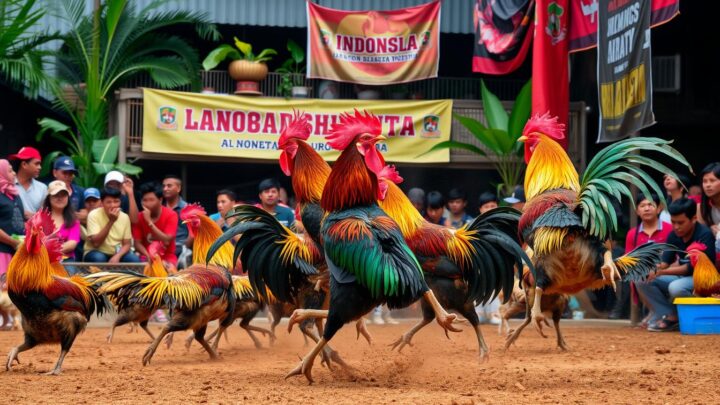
column 609, row 362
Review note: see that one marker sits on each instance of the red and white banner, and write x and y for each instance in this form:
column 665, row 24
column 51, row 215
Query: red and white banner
column 373, row 47
column 503, row 32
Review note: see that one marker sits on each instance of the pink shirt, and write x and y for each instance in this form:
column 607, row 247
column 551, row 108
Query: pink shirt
column 72, row 233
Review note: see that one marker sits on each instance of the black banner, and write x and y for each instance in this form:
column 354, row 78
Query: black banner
column 624, row 68
column 502, row 35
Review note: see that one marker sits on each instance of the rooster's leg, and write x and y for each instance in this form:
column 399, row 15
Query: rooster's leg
column 144, row 325
column 609, row 270
column 537, row 316
column 28, row 344
column 190, row 338
column 361, row 329
column 406, row 337
column 110, row 335
column 167, row 330
column 305, row 366
column 441, row 316
column 513, row 335
column 327, row 353
column 560, row 339
column 301, row 314
column 58, row 365
column 200, row 337
column 169, row 339
column 220, row 331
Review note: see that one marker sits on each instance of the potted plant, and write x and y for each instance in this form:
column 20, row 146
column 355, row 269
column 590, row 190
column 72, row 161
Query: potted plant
column 293, row 71
column 246, row 68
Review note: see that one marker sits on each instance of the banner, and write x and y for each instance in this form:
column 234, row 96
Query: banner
column 624, row 69
column 501, row 35
column 373, row 47
column 550, row 88
column 584, row 14
column 246, row 127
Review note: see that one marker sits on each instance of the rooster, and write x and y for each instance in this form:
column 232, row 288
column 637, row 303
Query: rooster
column 567, row 220
column 706, row 278
column 368, row 259
column 464, row 266
column 136, row 312
column 54, row 308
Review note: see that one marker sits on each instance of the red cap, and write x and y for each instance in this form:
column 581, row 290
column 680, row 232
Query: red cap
column 25, row 153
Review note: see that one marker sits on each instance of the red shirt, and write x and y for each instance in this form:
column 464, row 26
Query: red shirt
column 167, row 223
column 660, row 235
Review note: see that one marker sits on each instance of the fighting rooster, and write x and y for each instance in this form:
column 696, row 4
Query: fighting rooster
column 55, row 309
column 464, row 266
column 368, row 259
column 706, row 278
column 136, row 312
column 195, row 296
column 567, row 220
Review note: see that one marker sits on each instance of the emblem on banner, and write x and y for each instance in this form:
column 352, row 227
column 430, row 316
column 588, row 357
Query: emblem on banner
column 554, row 26
column 431, row 126
column 168, row 118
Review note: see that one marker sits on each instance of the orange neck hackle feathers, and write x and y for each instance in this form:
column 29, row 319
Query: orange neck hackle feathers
column 207, row 233
column 396, row 204
column 549, row 166
column 297, row 129
column 310, row 174
column 706, row 278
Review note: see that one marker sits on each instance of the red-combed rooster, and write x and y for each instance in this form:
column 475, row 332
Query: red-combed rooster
column 206, row 232
column 462, row 267
column 136, row 312
column 55, row 309
column 567, row 220
column 368, row 259
column 706, row 278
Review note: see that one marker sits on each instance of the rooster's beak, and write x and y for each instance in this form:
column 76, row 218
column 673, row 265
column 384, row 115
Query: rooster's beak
column 380, row 138
column 522, row 138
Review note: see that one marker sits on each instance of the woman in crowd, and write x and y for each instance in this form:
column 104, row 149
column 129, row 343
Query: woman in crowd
column 649, row 229
column 67, row 224
column 11, row 226
column 675, row 191
column 709, row 208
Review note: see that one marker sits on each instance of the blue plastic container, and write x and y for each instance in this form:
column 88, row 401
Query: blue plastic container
column 698, row 316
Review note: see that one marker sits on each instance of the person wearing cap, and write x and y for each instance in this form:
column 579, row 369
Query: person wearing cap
column 92, row 201
column 155, row 223
column 457, row 201
column 116, row 179
column 109, row 232
column 65, row 171
column 416, row 195
column 517, row 198
column 487, row 201
column 269, row 193
column 67, row 225
column 172, row 186
column 27, row 164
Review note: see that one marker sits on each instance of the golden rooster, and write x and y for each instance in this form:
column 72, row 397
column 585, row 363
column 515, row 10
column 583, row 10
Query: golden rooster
column 567, row 219
column 54, row 308
column 706, row 278
column 462, row 267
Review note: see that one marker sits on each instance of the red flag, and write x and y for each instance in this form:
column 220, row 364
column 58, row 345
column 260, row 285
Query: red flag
column 550, row 89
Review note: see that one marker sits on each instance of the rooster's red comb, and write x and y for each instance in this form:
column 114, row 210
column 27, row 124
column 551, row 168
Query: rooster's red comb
column 545, row 124
column 43, row 220
column 298, row 128
column 191, row 210
column 350, row 126
column 156, row 248
column 54, row 249
column 696, row 246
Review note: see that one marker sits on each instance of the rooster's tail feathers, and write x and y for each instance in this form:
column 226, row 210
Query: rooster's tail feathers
column 637, row 264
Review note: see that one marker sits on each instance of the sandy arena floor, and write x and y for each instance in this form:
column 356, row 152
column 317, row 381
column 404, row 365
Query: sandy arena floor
column 610, row 362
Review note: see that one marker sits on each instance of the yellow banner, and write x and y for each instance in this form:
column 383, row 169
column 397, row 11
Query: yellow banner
column 246, row 127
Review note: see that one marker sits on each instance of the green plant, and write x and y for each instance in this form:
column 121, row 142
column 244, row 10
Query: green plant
column 100, row 52
column 21, row 60
column 499, row 137
column 292, row 69
column 226, row 51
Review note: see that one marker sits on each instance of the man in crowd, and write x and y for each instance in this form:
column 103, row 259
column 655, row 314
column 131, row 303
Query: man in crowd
column 115, row 179
column 457, row 201
column 155, row 223
column 517, row 198
column 269, row 201
column 487, row 201
column 171, row 187
column 27, row 164
column 416, row 196
column 225, row 200
column 65, row 171
column 674, row 275
column 108, row 232
column 435, row 208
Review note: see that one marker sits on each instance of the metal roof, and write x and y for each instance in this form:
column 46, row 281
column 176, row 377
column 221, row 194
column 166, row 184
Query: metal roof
column 456, row 15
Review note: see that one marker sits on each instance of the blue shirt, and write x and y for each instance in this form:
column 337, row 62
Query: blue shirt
column 701, row 234
column 182, row 230
column 284, row 215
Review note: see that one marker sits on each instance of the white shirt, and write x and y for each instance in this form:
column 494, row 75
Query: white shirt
column 33, row 196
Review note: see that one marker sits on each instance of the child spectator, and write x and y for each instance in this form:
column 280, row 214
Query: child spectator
column 67, row 225
column 155, row 223
column 225, row 200
column 12, row 219
column 416, row 196
column 108, row 231
column 487, row 201
column 674, row 275
column 457, row 201
column 115, row 179
column 27, row 164
column 92, row 201
column 435, row 208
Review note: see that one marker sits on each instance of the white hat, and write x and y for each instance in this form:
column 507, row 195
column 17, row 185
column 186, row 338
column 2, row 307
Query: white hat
column 114, row 175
